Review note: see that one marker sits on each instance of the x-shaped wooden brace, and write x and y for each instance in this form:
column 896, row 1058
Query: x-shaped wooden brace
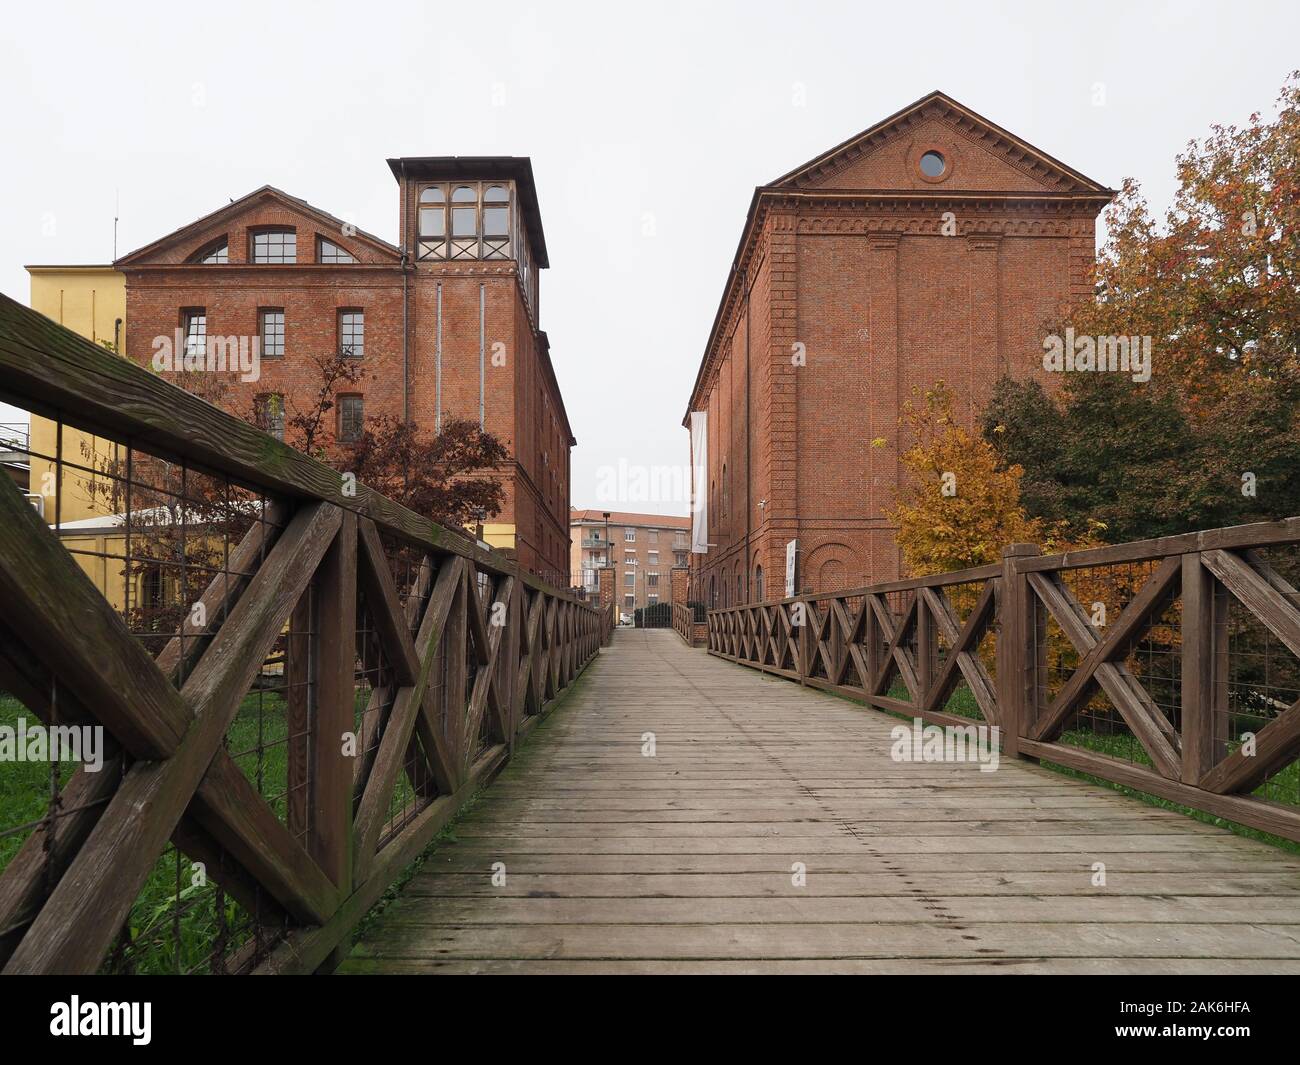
column 962, row 658
column 529, row 683
column 175, row 738
column 414, row 664
column 896, row 656
column 1273, row 600
column 850, row 629
column 1102, row 663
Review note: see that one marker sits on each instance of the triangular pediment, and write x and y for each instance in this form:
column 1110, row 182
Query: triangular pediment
column 267, row 206
column 978, row 157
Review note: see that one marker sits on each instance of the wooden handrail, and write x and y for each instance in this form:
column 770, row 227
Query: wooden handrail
column 452, row 678
column 853, row 643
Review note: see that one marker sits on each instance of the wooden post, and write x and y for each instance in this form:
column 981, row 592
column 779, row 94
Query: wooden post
column 330, row 839
column 1017, row 663
column 871, row 637
column 805, row 640
column 455, row 642
column 298, row 691
column 836, row 642
column 608, row 598
column 927, row 648
column 1204, row 670
column 508, row 659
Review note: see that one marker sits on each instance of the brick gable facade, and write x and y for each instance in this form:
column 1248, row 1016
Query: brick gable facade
column 450, row 338
column 846, row 264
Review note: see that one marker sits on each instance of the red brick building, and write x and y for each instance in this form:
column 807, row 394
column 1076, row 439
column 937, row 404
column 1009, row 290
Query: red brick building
column 446, row 324
column 642, row 549
column 933, row 246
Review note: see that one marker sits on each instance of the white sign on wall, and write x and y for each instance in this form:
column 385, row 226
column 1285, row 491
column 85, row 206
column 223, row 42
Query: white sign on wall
column 699, row 482
column 791, row 551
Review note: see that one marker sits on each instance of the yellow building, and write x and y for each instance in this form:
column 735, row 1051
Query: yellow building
column 90, row 300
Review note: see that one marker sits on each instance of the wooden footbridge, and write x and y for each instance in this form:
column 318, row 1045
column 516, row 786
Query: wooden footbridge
column 332, row 735
column 612, row 860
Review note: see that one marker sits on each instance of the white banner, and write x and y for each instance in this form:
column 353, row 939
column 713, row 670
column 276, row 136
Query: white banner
column 699, row 482
column 791, row 553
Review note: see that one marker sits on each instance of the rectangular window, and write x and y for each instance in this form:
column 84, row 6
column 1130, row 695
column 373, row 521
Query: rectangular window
column 629, row 535
column 351, row 418
column 195, row 320
column 270, row 325
column 653, row 557
column 652, row 535
column 652, row 580
column 629, row 559
column 652, row 598
column 629, row 601
column 629, row 578
column 352, row 334
column 269, row 408
column 275, row 246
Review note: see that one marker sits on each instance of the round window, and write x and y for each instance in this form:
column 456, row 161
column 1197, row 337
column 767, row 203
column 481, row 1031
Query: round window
column 933, row 164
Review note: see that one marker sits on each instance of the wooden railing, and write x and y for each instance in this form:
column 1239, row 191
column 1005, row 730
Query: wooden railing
column 1171, row 666
column 348, row 674
column 688, row 619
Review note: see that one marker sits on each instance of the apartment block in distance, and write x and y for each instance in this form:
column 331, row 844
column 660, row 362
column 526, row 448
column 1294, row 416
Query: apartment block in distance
column 445, row 323
column 933, row 246
column 642, row 548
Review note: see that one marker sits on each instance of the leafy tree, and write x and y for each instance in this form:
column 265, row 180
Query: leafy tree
column 1216, row 286
column 1109, row 458
column 959, row 504
column 183, row 522
column 443, row 475
column 448, row 476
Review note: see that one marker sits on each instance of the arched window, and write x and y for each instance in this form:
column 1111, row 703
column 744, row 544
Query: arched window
column 329, row 252
column 740, row 588
column 433, row 223
column 726, row 495
column 464, row 222
column 153, row 588
column 496, row 222
column 215, row 253
column 758, row 584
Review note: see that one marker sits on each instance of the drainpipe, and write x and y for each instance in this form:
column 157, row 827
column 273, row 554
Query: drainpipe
column 482, row 341
column 406, row 304
column 437, row 368
column 406, row 337
column 749, row 476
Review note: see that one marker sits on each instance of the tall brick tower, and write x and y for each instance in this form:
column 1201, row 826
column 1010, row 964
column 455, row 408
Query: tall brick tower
column 473, row 234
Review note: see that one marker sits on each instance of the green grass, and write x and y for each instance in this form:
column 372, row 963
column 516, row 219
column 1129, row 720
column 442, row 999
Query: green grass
column 1123, row 747
column 173, row 923
column 24, row 786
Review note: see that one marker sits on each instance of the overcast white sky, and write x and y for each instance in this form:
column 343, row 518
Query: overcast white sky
column 665, row 112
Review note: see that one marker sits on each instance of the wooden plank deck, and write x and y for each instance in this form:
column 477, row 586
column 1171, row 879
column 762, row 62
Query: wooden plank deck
column 616, row 862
